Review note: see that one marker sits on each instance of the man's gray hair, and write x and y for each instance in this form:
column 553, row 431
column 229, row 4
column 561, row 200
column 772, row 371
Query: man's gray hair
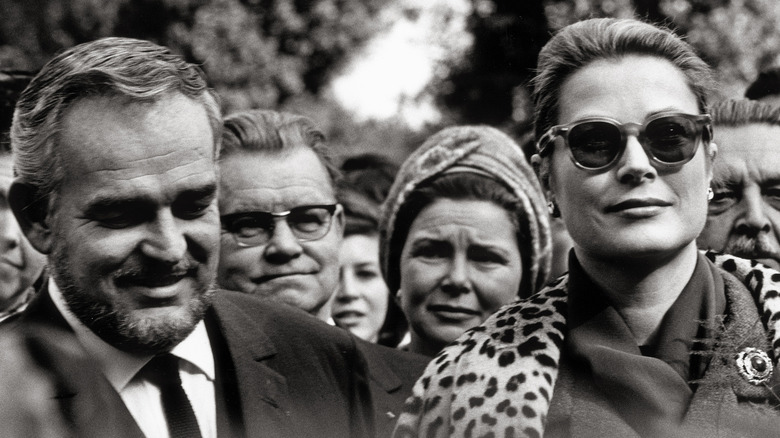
column 275, row 132
column 137, row 70
column 744, row 112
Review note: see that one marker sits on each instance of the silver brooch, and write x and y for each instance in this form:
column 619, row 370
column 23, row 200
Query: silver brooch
column 754, row 365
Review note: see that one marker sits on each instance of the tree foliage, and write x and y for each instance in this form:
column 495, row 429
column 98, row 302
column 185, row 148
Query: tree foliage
column 284, row 53
column 257, row 53
column 737, row 37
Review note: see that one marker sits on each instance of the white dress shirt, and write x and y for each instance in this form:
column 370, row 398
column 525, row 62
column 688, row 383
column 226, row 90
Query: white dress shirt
column 142, row 398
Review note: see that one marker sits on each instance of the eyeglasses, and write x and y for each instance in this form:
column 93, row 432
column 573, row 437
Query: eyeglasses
column 254, row 228
column 670, row 140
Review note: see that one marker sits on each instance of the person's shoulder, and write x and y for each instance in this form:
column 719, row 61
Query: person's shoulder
column 393, row 357
column 278, row 320
column 762, row 281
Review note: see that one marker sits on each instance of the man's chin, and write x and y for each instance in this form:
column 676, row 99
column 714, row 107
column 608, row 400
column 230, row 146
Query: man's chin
column 141, row 330
column 155, row 330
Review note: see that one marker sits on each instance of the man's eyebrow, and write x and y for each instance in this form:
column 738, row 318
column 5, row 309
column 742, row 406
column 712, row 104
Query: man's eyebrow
column 771, row 181
column 106, row 204
column 727, row 177
column 110, row 203
column 206, row 191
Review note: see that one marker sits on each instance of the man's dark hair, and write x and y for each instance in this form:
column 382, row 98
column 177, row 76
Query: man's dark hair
column 12, row 83
column 766, row 84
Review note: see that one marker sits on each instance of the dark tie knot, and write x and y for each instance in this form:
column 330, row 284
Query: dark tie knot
column 162, row 371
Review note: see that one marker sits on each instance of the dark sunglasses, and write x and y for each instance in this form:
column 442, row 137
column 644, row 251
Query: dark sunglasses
column 253, row 228
column 670, row 140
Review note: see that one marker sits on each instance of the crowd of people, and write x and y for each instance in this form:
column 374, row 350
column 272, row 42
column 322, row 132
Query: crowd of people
column 172, row 271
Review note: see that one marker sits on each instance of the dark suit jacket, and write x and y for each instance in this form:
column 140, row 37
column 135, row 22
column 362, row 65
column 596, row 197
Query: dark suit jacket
column 392, row 374
column 282, row 373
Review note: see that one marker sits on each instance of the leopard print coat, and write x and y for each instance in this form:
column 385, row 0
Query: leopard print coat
column 497, row 379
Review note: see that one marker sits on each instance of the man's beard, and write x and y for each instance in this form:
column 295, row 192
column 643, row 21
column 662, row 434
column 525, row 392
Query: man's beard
column 116, row 326
column 758, row 247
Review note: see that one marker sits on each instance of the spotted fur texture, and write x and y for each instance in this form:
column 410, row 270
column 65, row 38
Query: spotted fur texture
column 497, row 379
column 763, row 283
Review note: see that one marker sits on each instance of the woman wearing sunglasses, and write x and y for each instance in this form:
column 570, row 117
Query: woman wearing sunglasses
column 644, row 336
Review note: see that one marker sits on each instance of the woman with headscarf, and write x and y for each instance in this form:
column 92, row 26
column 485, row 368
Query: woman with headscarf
column 464, row 231
column 645, row 336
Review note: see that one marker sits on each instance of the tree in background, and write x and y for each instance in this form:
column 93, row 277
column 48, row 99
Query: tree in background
column 488, row 85
column 257, row 53
column 737, row 37
column 284, row 54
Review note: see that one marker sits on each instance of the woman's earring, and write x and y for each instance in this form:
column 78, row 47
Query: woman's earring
column 710, row 194
column 552, row 207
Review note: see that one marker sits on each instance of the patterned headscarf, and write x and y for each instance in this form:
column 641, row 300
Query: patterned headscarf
column 482, row 150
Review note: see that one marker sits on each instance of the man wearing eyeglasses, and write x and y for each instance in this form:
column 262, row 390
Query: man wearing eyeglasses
column 282, row 230
column 744, row 213
column 281, row 224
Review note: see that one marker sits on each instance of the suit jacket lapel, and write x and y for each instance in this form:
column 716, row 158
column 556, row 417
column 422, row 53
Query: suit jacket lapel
column 87, row 400
column 42, row 310
column 382, row 375
column 265, row 400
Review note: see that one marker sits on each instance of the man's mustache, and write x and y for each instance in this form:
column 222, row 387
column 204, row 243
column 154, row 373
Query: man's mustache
column 758, row 247
column 151, row 271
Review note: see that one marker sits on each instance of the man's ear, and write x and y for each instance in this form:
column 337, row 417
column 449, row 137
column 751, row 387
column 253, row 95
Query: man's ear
column 712, row 154
column 31, row 213
column 713, row 150
column 340, row 219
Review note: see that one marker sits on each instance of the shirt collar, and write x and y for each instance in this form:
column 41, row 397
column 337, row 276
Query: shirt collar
column 120, row 366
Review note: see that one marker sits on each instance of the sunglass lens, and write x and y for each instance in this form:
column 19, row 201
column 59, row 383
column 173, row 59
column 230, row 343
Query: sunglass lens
column 671, row 139
column 594, row 144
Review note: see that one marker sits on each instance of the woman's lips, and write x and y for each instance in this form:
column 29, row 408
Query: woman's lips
column 637, row 203
column 279, row 276
column 349, row 317
column 638, row 207
column 349, row 314
column 452, row 312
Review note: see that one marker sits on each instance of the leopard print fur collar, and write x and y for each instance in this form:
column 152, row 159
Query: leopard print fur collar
column 451, row 399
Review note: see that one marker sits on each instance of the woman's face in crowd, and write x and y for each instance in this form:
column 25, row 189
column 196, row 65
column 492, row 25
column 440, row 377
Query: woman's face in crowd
column 459, row 264
column 20, row 263
column 361, row 301
column 632, row 209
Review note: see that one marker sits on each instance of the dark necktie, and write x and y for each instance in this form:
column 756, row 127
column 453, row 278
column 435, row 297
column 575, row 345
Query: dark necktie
column 163, row 371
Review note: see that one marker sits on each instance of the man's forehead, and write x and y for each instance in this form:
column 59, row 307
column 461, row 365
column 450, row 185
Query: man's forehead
column 299, row 169
column 747, row 153
column 243, row 189
column 747, row 140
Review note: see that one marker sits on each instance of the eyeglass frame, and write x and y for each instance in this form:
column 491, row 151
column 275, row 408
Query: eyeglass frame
column 703, row 121
column 330, row 208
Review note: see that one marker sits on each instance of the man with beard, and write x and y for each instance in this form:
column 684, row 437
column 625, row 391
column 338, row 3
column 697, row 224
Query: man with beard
column 116, row 145
column 744, row 212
